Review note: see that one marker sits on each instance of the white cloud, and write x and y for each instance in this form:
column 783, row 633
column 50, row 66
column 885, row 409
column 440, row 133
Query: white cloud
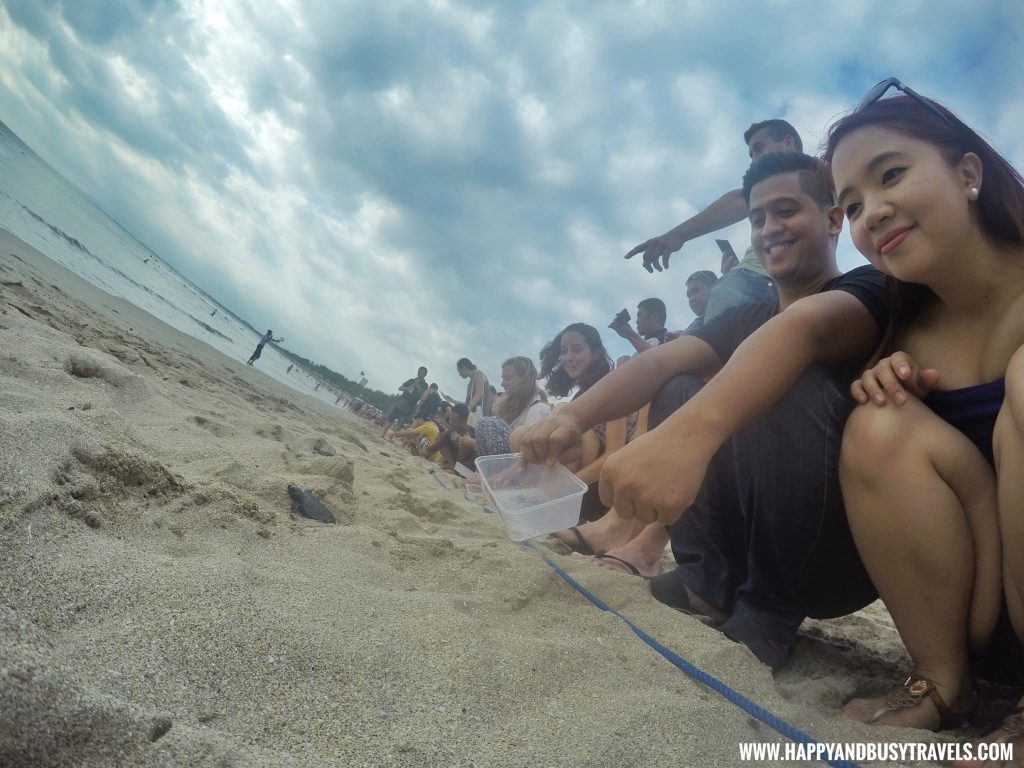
column 410, row 182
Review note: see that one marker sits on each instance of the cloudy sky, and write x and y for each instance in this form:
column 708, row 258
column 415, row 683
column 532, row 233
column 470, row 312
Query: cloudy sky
column 392, row 183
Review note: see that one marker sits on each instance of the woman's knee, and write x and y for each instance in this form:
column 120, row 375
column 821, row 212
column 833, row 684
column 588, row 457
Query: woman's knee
column 873, row 436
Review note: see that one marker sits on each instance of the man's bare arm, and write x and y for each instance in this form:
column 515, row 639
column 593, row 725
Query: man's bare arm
column 657, row 476
column 725, row 211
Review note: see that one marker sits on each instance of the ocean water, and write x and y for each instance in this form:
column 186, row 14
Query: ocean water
column 42, row 208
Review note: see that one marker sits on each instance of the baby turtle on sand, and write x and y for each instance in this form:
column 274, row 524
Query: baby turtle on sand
column 308, row 505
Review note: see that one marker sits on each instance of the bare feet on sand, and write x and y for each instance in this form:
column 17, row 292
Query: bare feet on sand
column 604, row 535
column 645, row 561
column 913, row 705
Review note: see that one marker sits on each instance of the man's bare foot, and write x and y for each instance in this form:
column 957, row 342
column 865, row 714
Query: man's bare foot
column 639, row 555
column 1010, row 732
column 602, row 535
column 909, row 706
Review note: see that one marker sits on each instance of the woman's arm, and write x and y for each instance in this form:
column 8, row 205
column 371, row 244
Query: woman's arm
column 478, row 391
column 614, row 439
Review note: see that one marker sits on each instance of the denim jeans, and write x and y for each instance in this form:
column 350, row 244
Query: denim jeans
column 767, row 539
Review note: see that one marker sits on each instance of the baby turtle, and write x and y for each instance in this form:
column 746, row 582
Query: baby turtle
column 308, row 505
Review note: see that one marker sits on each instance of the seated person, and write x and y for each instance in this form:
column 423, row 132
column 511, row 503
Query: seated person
column 932, row 456
column 458, row 442
column 522, row 405
column 576, row 359
column 430, row 402
column 745, row 468
column 698, row 287
column 420, row 436
column 651, row 317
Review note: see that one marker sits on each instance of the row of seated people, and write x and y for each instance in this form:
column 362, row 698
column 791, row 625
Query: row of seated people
column 573, row 361
column 860, row 436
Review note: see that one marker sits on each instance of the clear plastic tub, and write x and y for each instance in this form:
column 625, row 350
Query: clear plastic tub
column 534, row 500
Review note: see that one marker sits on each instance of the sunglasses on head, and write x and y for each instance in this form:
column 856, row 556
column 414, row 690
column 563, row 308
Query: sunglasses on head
column 891, row 82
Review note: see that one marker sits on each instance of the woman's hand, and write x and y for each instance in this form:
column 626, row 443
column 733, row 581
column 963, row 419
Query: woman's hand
column 555, row 439
column 891, row 379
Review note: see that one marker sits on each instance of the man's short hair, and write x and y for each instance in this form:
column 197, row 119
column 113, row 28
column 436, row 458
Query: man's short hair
column 465, row 362
column 777, row 129
column 656, row 307
column 422, row 371
column 705, row 276
column 815, row 180
column 462, row 409
column 433, row 386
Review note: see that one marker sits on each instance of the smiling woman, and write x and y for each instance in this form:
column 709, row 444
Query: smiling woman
column 576, row 358
column 931, row 459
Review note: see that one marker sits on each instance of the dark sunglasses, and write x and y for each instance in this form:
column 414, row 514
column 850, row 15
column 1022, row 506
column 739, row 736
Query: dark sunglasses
column 891, row 82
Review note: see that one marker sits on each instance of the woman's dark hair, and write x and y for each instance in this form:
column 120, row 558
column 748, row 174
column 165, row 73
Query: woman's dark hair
column 1000, row 205
column 558, row 381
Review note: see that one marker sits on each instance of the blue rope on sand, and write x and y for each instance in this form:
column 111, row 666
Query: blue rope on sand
column 751, row 708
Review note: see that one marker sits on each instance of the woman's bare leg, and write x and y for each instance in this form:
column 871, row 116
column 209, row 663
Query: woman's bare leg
column 921, row 501
column 1009, row 452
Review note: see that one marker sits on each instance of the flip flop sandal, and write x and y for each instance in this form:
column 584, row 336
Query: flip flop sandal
column 624, row 563
column 582, row 545
column 912, row 693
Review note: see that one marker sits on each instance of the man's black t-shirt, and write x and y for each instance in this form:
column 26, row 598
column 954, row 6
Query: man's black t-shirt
column 727, row 330
column 414, row 389
column 430, row 405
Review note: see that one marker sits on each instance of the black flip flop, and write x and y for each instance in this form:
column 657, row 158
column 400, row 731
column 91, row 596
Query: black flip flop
column 582, row 546
column 625, row 563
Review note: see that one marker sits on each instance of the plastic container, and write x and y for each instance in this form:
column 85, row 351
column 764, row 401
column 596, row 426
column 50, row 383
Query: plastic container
column 531, row 501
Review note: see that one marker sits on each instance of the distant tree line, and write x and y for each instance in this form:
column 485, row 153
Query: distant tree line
column 372, row 396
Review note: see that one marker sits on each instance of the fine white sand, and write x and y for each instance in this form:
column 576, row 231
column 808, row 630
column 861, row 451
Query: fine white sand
column 160, row 607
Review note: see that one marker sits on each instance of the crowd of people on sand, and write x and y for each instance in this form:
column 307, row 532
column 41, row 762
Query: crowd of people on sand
column 814, row 440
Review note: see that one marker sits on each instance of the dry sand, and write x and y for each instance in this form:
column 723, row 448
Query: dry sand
column 160, row 607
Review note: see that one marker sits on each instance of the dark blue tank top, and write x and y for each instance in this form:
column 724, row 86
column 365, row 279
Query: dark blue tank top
column 972, row 411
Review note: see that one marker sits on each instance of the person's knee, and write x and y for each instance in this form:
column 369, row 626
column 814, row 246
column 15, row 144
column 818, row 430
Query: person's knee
column 872, row 437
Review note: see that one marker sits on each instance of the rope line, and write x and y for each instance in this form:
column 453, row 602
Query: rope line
column 752, row 708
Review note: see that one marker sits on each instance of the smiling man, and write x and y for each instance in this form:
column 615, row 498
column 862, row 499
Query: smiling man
column 751, row 458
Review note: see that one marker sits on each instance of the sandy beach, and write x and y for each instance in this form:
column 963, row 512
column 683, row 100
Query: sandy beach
column 161, row 607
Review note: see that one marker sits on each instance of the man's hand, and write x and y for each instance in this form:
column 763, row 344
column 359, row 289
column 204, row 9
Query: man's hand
column 658, row 248
column 555, row 439
column 890, row 380
column 625, row 330
column 653, row 478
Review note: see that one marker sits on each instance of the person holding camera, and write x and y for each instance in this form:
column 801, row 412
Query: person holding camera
column 650, row 325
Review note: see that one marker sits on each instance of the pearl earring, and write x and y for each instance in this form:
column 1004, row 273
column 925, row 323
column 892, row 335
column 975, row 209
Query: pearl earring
column 973, row 193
